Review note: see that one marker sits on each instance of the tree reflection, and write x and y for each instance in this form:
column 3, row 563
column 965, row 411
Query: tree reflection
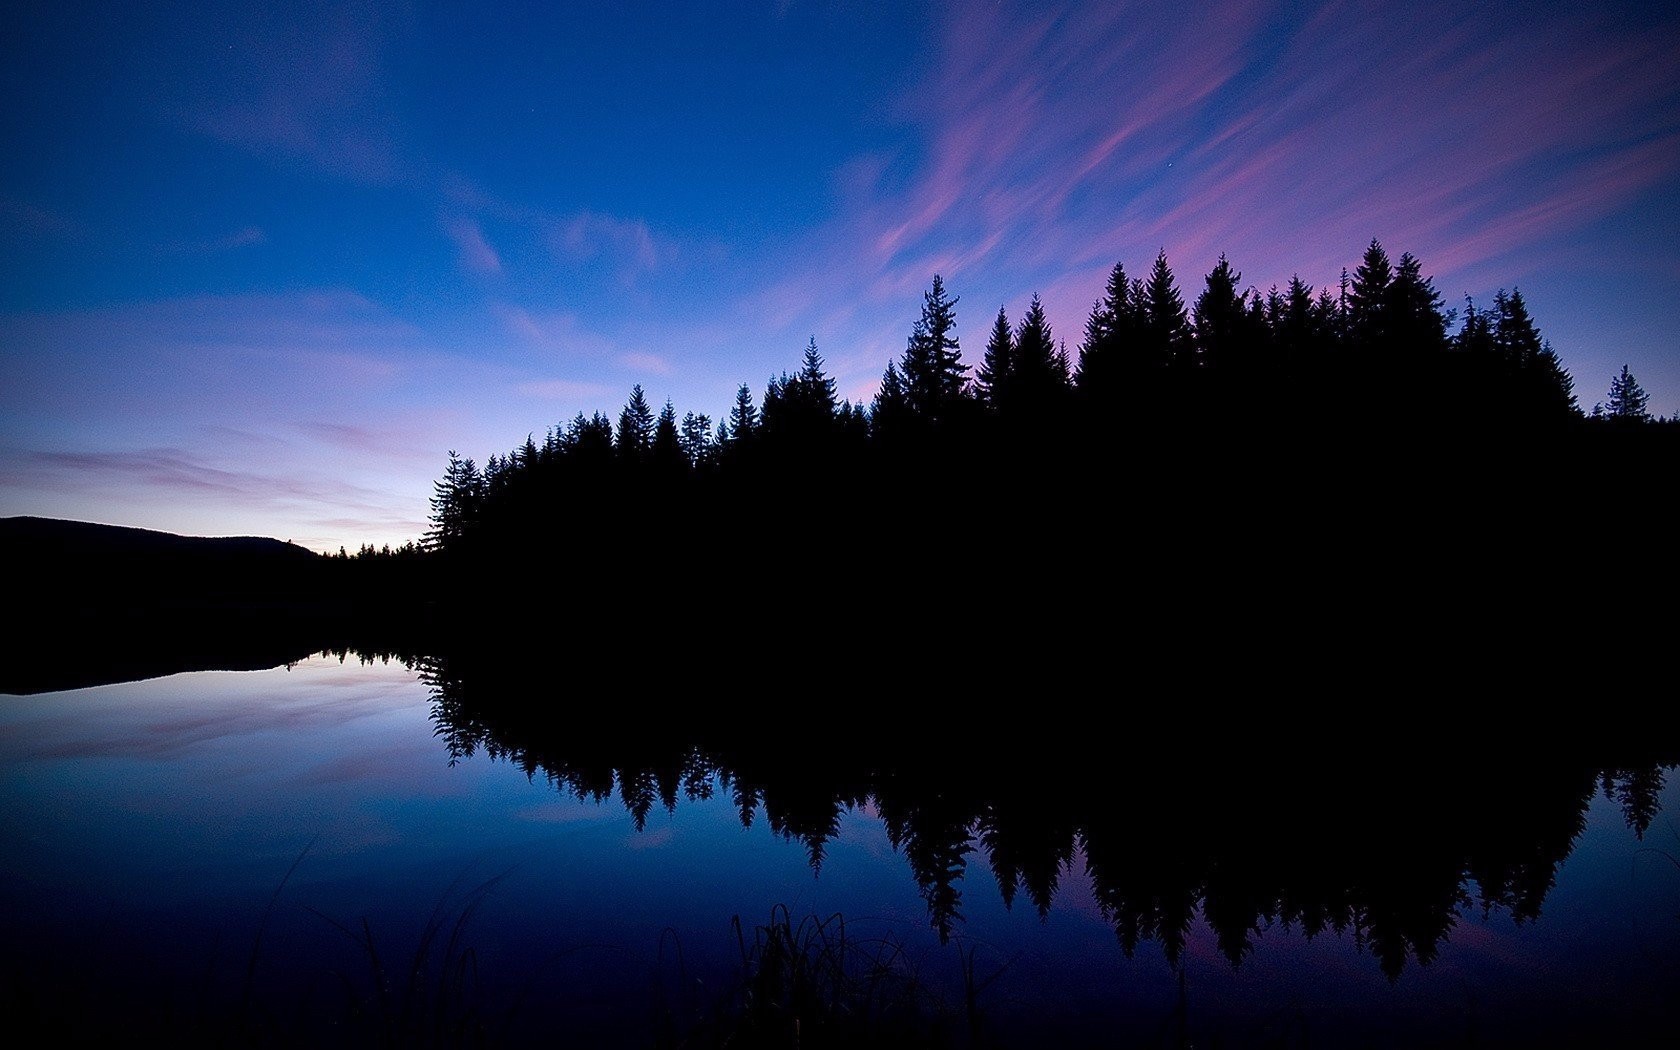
column 1388, row 852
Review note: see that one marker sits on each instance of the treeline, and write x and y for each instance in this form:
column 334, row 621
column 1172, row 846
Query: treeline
column 1241, row 391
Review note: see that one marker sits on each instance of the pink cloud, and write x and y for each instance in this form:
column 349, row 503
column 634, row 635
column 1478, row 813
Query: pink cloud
column 651, row 364
column 557, row 331
column 626, row 243
column 564, row 390
column 475, row 253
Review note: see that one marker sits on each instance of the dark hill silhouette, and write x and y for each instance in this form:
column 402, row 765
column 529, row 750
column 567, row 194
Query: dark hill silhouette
column 75, row 564
column 105, row 603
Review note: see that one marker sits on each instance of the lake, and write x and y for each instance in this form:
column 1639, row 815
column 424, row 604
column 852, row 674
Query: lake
column 340, row 851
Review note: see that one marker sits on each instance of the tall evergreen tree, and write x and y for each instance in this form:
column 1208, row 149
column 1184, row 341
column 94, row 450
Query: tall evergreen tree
column 1221, row 326
column 1515, row 337
column 1628, row 400
column 816, row 388
column 996, row 365
column 635, row 427
column 743, row 417
column 1165, row 335
column 1038, row 374
column 666, row 450
column 1300, row 324
column 1367, row 302
column 1415, row 321
column 1476, row 336
column 1554, row 386
column 455, row 503
column 1110, row 334
column 890, row 411
column 696, row 439
column 934, row 375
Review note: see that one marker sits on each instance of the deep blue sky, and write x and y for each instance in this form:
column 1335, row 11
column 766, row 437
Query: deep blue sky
column 264, row 265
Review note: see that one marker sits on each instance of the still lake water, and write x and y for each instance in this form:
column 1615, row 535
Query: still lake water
column 149, row 828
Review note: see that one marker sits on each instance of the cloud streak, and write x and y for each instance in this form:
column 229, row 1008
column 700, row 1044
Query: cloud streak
column 474, row 252
column 309, row 89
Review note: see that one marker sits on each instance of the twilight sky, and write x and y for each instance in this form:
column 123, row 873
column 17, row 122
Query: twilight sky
column 264, row 264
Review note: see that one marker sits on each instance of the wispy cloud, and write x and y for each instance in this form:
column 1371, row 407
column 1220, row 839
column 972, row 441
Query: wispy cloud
column 557, row 331
column 630, row 245
column 649, row 364
column 564, row 390
column 385, row 442
column 244, row 237
column 1059, row 141
column 170, row 472
column 307, row 89
column 31, row 217
column 475, row 253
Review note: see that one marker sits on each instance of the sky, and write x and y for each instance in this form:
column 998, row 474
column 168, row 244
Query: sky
column 262, row 266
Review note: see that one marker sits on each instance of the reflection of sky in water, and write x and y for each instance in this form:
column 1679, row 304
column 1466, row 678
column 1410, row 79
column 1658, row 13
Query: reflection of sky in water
column 159, row 817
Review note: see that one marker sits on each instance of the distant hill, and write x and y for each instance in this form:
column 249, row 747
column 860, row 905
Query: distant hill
column 55, row 538
column 98, row 603
column 72, row 564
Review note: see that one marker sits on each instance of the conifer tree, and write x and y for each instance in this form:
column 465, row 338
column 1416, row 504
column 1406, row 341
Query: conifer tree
column 666, row 450
column 1415, row 322
column 743, row 417
column 455, row 503
column 1038, row 373
column 1222, row 320
column 1515, row 337
column 996, row 364
column 635, row 427
column 1165, row 334
column 1554, row 385
column 1110, row 334
column 932, row 369
column 1367, row 300
column 1628, row 400
column 891, row 409
column 1476, row 336
column 696, row 439
column 816, row 388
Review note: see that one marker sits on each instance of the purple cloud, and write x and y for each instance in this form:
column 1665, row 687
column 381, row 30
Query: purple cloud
column 475, row 253
column 308, row 89
column 628, row 245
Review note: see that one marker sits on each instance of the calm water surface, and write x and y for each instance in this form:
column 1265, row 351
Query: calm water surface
column 185, row 850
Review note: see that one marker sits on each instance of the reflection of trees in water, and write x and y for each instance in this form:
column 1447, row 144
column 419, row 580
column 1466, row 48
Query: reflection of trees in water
column 1386, row 851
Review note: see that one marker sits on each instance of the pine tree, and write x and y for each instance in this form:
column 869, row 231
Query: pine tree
column 1476, row 337
column 816, row 388
column 1038, row 373
column 1415, row 321
column 932, row 368
column 1110, row 333
column 1222, row 322
column 696, row 439
column 1367, row 302
column 890, row 411
column 1555, row 386
column 1515, row 337
column 1165, row 335
column 455, row 504
column 635, row 427
column 666, row 450
column 743, row 417
column 1299, row 324
column 1628, row 399
column 996, row 365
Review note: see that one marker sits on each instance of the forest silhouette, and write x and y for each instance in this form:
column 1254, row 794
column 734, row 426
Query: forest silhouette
column 1335, row 487
column 1179, row 447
